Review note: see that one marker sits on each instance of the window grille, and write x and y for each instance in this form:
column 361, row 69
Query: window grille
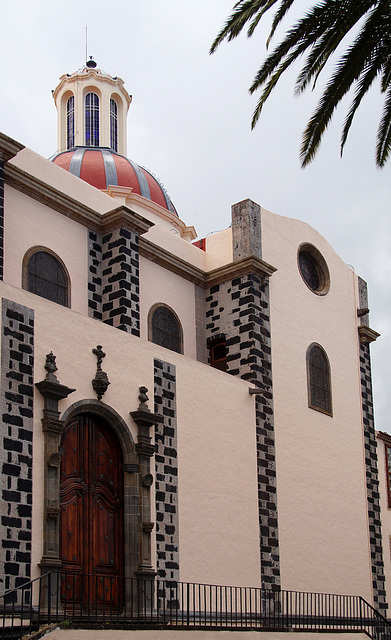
column 318, row 374
column 166, row 330
column 47, row 278
column 309, row 270
column 113, row 125
column 92, row 120
column 71, row 122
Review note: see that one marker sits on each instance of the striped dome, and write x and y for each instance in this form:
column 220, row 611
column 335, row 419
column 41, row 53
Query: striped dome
column 102, row 167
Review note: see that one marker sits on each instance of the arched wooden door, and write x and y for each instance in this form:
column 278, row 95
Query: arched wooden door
column 91, row 506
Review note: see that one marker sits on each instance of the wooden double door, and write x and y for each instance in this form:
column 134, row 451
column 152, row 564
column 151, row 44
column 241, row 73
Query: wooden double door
column 91, row 515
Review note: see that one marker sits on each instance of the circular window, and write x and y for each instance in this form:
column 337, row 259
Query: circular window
column 313, row 269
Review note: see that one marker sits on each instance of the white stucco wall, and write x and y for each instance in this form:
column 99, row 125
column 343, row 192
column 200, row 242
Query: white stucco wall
column 158, row 285
column 385, row 512
column 320, row 467
column 218, row 519
column 29, row 223
column 64, row 181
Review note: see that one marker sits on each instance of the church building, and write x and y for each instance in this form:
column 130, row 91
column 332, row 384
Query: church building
column 196, row 410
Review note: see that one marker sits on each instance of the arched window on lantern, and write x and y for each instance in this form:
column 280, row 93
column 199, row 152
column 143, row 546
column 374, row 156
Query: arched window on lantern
column 165, row 329
column 113, row 125
column 71, row 122
column 318, row 379
column 91, row 120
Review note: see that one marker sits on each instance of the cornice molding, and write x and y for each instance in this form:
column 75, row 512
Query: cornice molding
column 171, row 262
column 86, row 77
column 9, row 147
column 64, row 204
column 51, row 197
column 367, row 334
column 129, row 197
column 386, row 437
column 243, row 267
column 200, row 277
column 123, row 216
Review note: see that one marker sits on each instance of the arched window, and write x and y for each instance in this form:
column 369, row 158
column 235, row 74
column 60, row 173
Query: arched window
column 318, row 378
column 113, row 125
column 44, row 275
column 71, row 122
column 92, row 120
column 165, row 328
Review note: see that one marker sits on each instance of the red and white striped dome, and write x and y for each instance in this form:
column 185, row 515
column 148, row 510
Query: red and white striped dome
column 102, row 167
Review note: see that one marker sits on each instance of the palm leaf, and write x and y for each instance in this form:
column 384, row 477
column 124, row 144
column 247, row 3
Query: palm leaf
column 319, row 34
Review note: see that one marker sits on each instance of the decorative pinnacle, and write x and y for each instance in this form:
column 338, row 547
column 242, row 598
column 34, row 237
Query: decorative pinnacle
column 100, row 355
column 143, row 399
column 101, row 380
column 51, row 367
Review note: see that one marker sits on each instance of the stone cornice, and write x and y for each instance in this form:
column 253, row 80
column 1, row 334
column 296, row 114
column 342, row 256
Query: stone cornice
column 123, row 216
column 9, row 147
column 130, row 198
column 171, row 262
column 386, row 437
column 64, row 204
column 198, row 276
column 367, row 334
column 239, row 268
column 51, row 197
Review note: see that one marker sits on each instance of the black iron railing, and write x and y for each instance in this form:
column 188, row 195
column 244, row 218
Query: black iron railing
column 97, row 599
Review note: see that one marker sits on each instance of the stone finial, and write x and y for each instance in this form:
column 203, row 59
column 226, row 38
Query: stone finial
column 100, row 355
column 101, row 381
column 51, row 367
column 143, row 399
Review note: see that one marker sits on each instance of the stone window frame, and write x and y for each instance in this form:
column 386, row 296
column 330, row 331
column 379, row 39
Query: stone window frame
column 151, row 313
column 25, row 271
column 320, row 265
column 212, row 343
column 327, row 392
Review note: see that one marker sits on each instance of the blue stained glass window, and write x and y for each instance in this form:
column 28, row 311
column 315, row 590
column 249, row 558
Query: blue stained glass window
column 70, row 122
column 92, row 120
column 113, row 125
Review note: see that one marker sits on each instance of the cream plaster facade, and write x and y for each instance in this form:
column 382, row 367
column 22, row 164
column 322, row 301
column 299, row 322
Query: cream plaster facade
column 251, row 486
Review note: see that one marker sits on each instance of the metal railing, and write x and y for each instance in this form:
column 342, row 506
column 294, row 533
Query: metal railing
column 100, row 599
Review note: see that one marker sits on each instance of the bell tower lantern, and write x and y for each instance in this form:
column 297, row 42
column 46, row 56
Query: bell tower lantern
column 91, row 110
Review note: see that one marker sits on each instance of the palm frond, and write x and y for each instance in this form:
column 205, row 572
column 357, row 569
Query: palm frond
column 279, row 15
column 318, row 34
column 383, row 146
column 243, row 12
column 259, row 15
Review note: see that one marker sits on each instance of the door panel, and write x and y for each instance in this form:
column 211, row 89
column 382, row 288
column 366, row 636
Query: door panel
column 91, row 503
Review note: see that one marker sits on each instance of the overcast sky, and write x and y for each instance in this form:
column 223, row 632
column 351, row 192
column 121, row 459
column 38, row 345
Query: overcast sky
column 189, row 123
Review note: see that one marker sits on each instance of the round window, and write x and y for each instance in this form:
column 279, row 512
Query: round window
column 313, row 269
